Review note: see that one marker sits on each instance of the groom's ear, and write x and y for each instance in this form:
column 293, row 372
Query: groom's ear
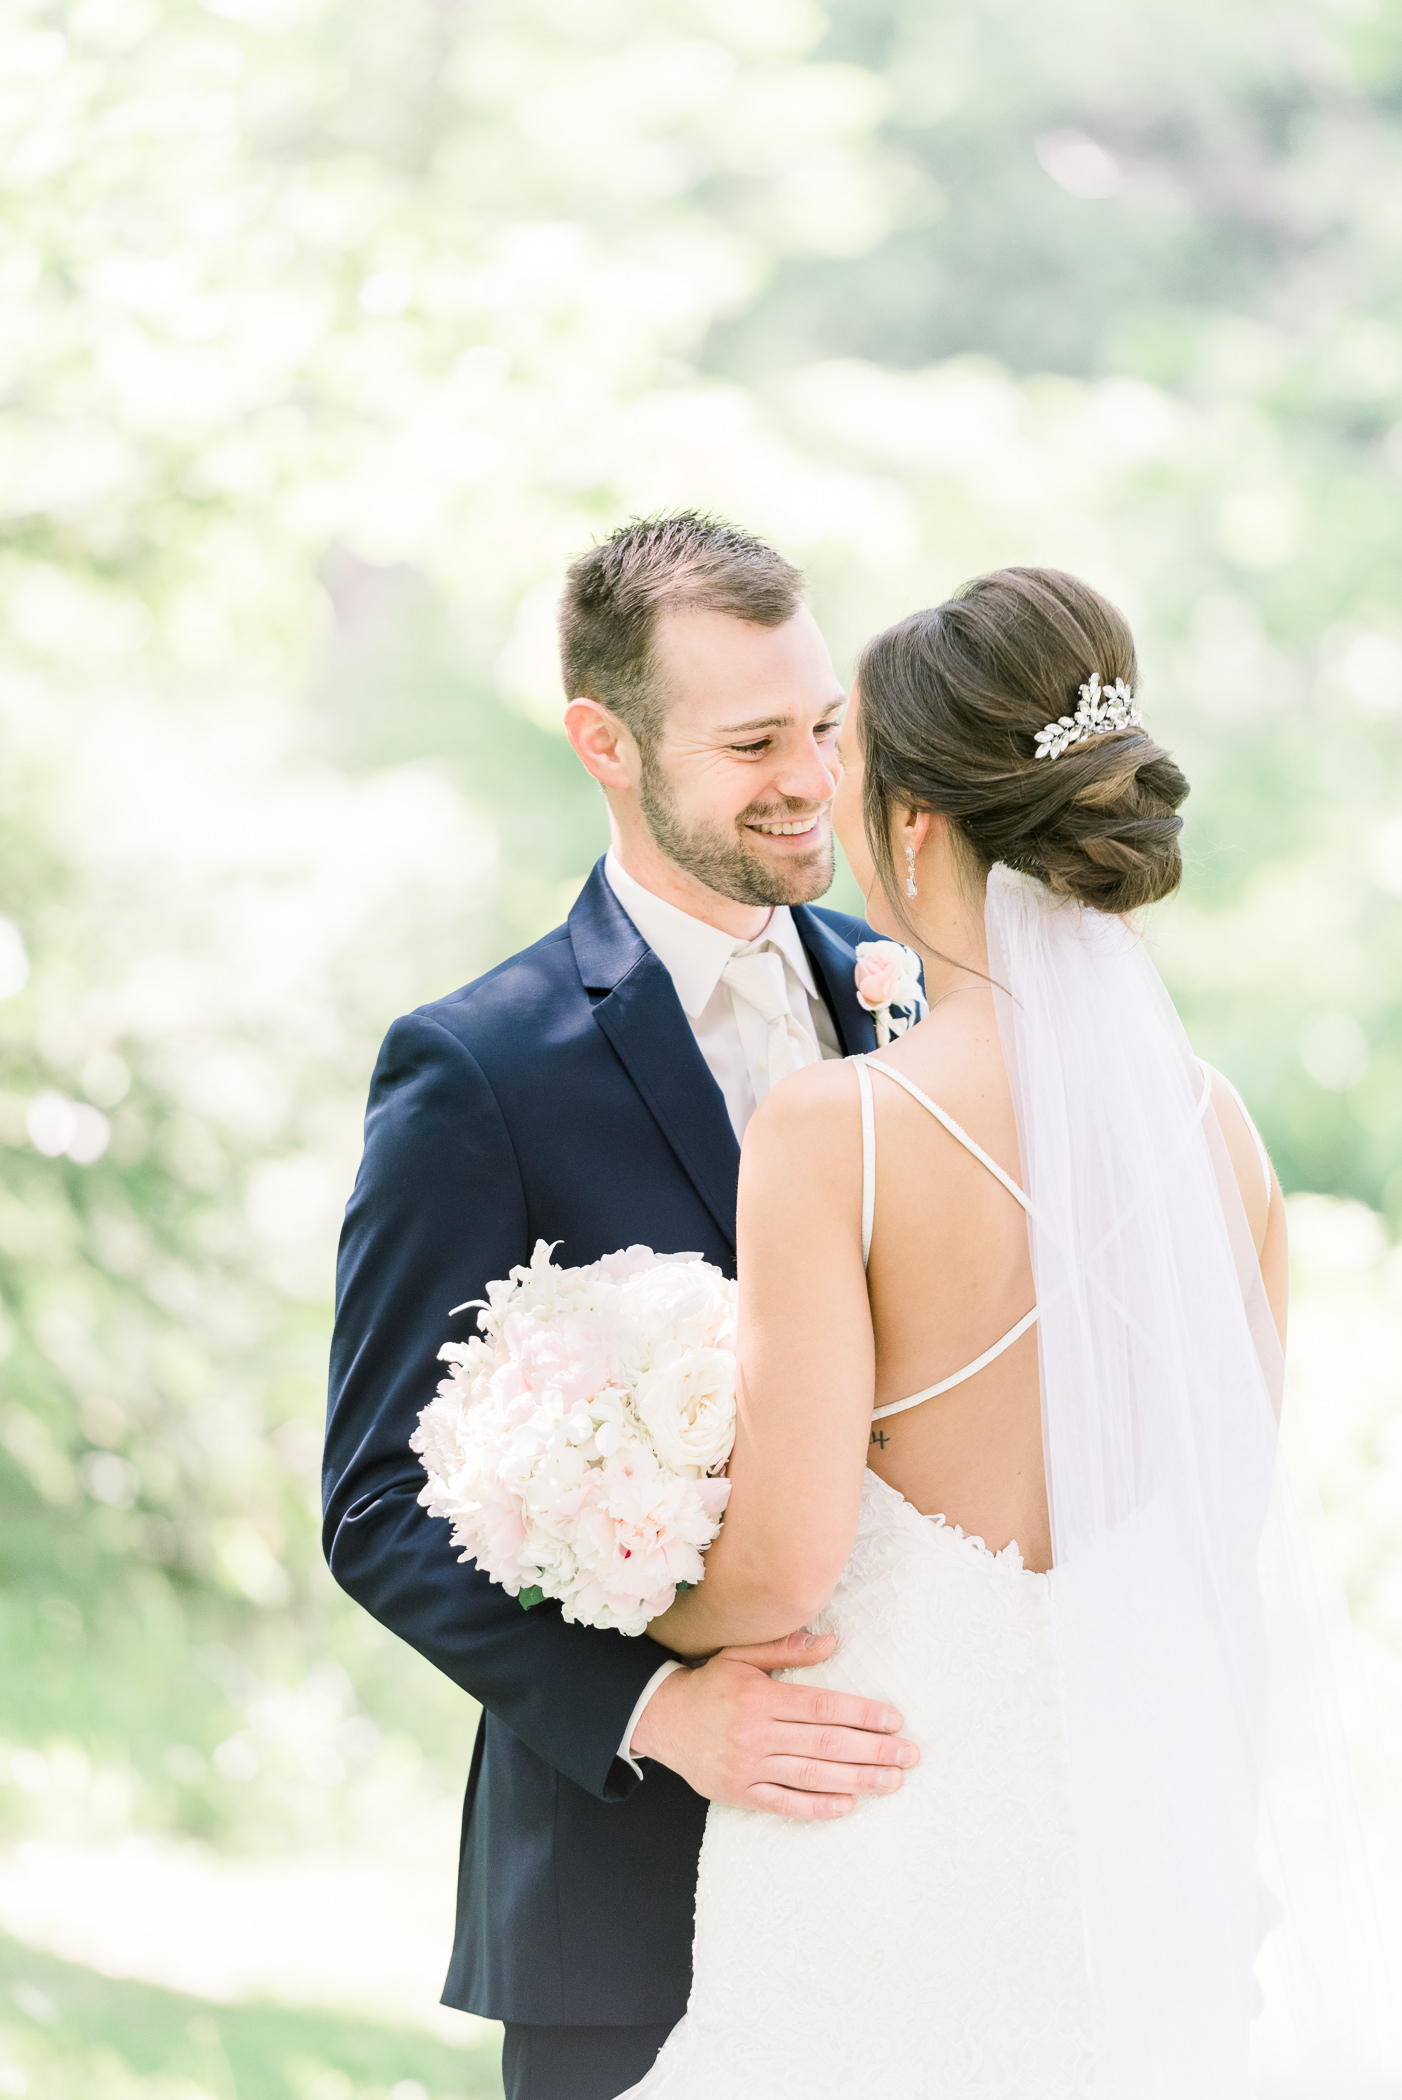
column 602, row 745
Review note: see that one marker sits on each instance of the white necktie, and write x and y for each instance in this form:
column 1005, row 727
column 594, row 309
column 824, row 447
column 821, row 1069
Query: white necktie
column 783, row 1045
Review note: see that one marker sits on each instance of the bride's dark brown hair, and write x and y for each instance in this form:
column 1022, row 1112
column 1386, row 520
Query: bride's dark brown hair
column 951, row 702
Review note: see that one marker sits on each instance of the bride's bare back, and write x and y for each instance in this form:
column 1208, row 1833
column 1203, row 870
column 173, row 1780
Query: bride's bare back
column 949, row 1274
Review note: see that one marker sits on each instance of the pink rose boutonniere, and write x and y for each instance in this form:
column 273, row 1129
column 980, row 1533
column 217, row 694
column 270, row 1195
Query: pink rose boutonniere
column 888, row 986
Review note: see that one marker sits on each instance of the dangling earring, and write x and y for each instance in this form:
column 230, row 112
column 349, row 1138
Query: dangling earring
column 910, row 889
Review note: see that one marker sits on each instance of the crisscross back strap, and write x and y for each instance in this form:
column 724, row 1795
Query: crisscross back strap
column 949, row 1123
column 865, row 1066
column 945, row 1385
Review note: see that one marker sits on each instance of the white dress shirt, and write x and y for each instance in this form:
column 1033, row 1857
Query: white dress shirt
column 729, row 1034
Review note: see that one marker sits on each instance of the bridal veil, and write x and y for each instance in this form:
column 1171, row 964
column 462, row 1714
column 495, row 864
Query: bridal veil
column 1230, row 1938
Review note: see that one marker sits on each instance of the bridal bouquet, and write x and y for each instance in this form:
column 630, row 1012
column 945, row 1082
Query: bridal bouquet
column 575, row 1444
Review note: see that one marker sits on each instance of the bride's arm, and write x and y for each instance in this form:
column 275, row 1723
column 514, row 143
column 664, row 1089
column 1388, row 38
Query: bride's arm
column 806, row 1375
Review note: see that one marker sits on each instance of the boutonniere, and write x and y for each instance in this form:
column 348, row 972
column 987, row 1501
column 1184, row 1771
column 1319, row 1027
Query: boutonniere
column 888, row 986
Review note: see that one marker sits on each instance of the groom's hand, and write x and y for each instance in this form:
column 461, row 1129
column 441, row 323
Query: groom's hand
column 736, row 1736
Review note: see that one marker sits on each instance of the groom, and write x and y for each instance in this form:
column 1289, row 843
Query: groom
column 593, row 1091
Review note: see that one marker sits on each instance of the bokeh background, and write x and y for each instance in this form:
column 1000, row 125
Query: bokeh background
column 331, row 328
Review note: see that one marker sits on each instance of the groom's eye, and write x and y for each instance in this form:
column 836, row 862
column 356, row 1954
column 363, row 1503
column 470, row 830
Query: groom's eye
column 752, row 750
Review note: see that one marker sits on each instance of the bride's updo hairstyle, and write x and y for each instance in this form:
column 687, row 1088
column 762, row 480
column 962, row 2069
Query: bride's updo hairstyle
column 951, row 703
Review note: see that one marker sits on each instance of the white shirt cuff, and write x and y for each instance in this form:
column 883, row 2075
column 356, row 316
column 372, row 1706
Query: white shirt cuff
column 625, row 1748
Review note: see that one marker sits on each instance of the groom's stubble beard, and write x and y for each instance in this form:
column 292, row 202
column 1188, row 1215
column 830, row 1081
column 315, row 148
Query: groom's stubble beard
column 721, row 857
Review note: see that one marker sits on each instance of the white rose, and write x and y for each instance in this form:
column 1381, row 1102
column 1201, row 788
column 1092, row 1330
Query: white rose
column 687, row 1407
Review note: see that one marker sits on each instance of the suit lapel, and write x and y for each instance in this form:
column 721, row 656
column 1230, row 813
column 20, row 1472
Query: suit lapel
column 835, row 960
column 642, row 1018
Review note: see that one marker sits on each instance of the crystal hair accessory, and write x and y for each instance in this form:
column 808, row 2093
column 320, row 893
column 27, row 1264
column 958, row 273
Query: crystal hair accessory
column 1102, row 709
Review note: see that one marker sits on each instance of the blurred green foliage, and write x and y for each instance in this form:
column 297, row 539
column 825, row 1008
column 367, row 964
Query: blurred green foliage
column 75, row 2035
column 332, row 329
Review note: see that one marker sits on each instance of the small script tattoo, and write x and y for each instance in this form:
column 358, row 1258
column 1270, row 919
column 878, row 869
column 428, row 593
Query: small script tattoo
column 880, row 1439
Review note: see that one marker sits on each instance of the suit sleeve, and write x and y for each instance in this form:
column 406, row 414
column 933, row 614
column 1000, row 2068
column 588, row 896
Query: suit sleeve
column 438, row 1210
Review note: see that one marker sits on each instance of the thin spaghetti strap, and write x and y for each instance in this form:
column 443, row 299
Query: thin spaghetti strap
column 980, row 1363
column 945, row 1385
column 868, row 1156
column 953, row 1128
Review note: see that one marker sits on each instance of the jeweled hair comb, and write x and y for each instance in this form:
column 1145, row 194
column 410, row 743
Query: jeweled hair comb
column 1102, row 708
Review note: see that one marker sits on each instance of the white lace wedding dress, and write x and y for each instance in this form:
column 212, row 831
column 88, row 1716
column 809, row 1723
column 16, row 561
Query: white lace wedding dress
column 928, row 1946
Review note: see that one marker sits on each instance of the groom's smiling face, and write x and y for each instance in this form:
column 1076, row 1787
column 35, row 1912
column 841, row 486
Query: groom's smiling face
column 735, row 787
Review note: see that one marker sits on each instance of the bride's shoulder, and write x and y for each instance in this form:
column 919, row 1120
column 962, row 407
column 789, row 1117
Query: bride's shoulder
column 1251, row 1163
column 810, row 1120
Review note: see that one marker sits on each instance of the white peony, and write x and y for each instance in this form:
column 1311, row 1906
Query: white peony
column 681, row 1302
column 687, row 1405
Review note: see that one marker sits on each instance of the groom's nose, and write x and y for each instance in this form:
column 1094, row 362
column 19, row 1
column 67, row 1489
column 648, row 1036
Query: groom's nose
column 807, row 775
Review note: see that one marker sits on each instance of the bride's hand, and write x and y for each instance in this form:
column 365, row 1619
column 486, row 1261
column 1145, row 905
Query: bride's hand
column 736, row 1736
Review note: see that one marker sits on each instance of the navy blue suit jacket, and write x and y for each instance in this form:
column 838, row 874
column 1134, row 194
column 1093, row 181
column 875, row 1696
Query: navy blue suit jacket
column 561, row 1097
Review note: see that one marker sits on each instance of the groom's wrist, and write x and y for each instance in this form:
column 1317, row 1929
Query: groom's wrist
column 635, row 1743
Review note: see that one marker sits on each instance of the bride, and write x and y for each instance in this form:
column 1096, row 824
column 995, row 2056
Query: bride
column 1012, row 1302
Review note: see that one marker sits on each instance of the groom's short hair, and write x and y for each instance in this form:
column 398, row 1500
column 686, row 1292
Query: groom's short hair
column 677, row 561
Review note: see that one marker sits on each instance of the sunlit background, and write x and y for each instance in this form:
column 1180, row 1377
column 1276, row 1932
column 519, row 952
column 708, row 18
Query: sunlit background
column 330, row 329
